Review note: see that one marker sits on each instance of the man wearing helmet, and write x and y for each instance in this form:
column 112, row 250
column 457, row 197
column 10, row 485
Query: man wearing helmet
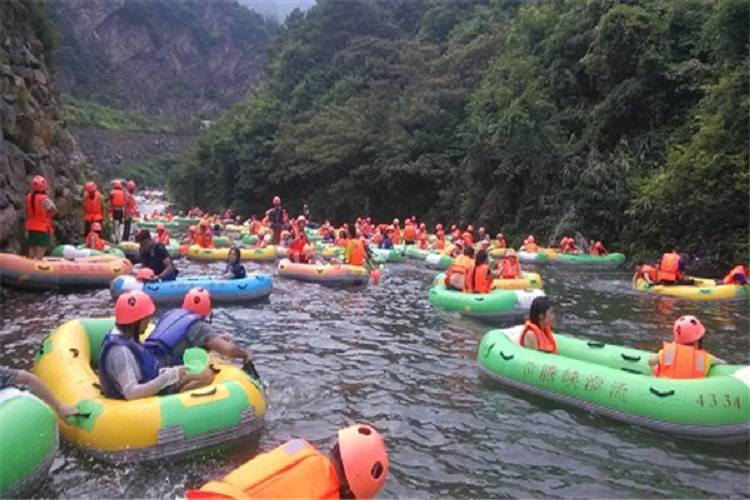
column 154, row 255
column 117, row 204
column 131, row 209
column 39, row 212
column 356, row 467
column 684, row 357
column 92, row 206
column 179, row 329
column 276, row 219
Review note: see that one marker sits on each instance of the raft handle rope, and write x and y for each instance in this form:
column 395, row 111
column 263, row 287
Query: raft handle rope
column 632, row 359
column 97, row 387
column 214, row 369
column 203, row 394
column 660, row 394
column 488, row 350
column 632, row 370
column 506, row 357
column 242, row 286
column 595, row 345
column 74, row 351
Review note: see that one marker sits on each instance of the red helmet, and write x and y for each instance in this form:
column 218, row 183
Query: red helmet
column 688, row 329
column 131, row 185
column 96, row 226
column 145, row 274
column 39, row 184
column 132, row 307
column 116, row 184
column 193, row 228
column 198, row 301
column 276, row 200
column 364, row 459
column 160, row 226
column 90, row 187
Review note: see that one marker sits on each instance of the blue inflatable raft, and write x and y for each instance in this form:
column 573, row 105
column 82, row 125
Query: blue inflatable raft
column 254, row 286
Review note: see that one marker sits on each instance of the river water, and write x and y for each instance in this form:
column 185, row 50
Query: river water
column 383, row 355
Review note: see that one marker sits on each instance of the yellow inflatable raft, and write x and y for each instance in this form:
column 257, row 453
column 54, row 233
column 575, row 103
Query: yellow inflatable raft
column 527, row 280
column 704, row 289
column 151, row 428
column 220, row 254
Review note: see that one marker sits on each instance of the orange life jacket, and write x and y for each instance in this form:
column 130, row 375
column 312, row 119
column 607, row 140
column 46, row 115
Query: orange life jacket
column 94, row 242
column 669, row 267
column 410, row 233
column 531, row 247
column 468, row 239
column 117, row 199
column 545, row 340
column 510, row 270
column 461, row 265
column 163, row 237
column 682, row 361
column 293, row 470
column 647, row 271
column 92, row 207
column 737, row 271
column 598, row 249
column 357, row 255
column 396, row 238
column 440, row 243
column 204, row 240
column 132, row 205
column 478, row 279
column 376, row 238
column 38, row 218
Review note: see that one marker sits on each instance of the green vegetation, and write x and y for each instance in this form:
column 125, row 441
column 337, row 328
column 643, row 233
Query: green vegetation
column 151, row 172
column 30, row 15
column 626, row 121
column 88, row 114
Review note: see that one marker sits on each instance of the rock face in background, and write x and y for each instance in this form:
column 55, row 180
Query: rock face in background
column 185, row 59
column 33, row 137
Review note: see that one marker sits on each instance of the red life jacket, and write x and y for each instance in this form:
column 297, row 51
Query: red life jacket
column 647, row 271
column 510, row 269
column 92, row 207
column 545, row 340
column 204, row 239
column 94, row 242
column 682, row 361
column 669, row 267
column 410, row 233
column 38, row 218
column 478, row 279
column 163, row 237
column 460, row 266
column 117, row 199
column 734, row 273
column 131, row 205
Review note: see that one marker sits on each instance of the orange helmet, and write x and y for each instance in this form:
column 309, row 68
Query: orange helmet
column 160, row 226
column 132, row 307
column 145, row 274
column 276, row 200
column 688, row 329
column 96, row 226
column 90, row 187
column 131, row 185
column 364, row 459
column 39, row 184
column 198, row 301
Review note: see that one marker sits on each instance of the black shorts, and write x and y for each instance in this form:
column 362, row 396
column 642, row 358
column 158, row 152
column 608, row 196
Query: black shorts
column 118, row 214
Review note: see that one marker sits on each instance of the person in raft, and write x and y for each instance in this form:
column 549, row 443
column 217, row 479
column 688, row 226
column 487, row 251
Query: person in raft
column 597, row 248
column 647, row 272
column 299, row 241
column 671, row 268
column 355, row 253
column 155, row 256
column 93, row 239
column 508, row 268
column 478, row 278
column 455, row 276
column 10, row 377
column 529, row 245
column 356, row 467
column 162, row 235
column 234, row 270
column 737, row 276
column 127, row 370
column 92, row 207
column 180, row 329
column 39, row 212
column 684, row 357
column 537, row 331
column 500, row 241
column 204, row 238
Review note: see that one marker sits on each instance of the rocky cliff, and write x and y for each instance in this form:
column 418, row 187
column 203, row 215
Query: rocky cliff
column 183, row 59
column 33, row 136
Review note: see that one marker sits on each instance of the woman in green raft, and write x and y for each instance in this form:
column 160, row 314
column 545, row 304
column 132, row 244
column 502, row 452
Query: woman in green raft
column 682, row 391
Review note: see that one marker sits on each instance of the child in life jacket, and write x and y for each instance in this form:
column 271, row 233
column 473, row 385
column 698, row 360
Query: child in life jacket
column 737, row 276
column 537, row 331
column 508, row 268
column 356, row 467
column 645, row 272
column 684, row 357
column 478, row 278
column 234, row 270
column 93, row 239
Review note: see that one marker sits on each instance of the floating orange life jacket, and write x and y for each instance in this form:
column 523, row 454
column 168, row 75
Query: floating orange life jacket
column 682, row 361
column 38, row 218
column 510, row 269
column 669, row 267
column 293, row 470
column 117, row 199
column 94, row 242
column 92, row 207
column 545, row 340
column 478, row 279
column 734, row 273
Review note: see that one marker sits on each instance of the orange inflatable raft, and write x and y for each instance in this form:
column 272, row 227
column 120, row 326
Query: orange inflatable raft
column 326, row 274
column 57, row 272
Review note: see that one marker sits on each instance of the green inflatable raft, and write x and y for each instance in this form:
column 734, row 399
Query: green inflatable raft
column 415, row 252
column 382, row 255
column 249, row 239
column 540, row 257
column 616, row 382
column 80, row 251
column 222, row 241
column 591, row 261
column 28, row 442
column 151, row 225
column 438, row 261
column 499, row 304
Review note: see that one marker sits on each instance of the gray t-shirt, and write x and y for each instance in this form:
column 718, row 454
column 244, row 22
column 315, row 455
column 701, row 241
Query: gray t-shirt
column 198, row 335
column 8, row 377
